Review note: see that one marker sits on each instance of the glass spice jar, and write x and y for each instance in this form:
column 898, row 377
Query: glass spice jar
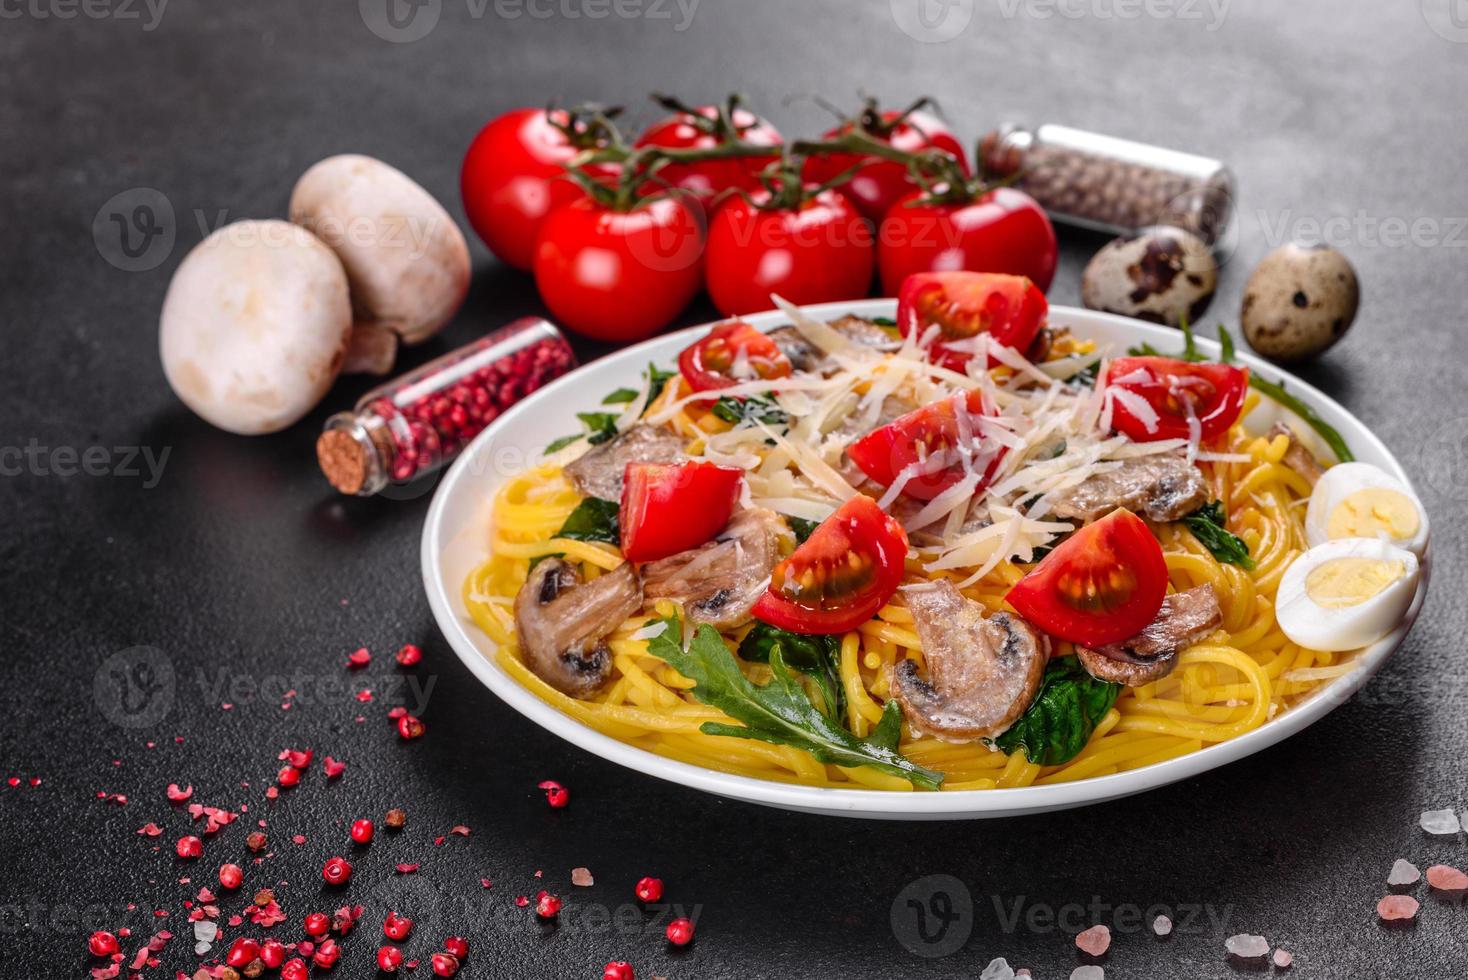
column 1110, row 184
column 419, row 422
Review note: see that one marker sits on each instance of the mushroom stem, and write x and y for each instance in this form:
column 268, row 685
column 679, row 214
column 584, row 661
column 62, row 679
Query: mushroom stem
column 372, row 349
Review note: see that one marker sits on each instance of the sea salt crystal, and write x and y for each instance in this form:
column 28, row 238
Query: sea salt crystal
column 1088, row 973
column 1442, row 822
column 200, row 948
column 1162, row 925
column 1403, row 873
column 206, row 931
column 998, row 969
column 581, row 877
column 1094, row 941
column 1397, row 908
column 1282, row 959
column 1247, row 947
column 1446, row 878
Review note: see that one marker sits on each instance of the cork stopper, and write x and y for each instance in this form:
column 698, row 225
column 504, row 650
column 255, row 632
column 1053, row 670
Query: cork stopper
column 344, row 459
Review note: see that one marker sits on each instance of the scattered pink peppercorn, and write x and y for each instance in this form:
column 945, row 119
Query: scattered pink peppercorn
column 359, row 658
column 649, row 889
column 101, row 943
column 336, row 871
column 410, row 727
column 458, row 946
column 395, row 819
column 444, row 964
column 256, row 841
column 298, row 758
column 389, row 958
column 272, row 953
column 555, row 794
column 230, row 876
column 547, row 906
column 288, row 776
column 396, row 927
column 242, row 952
column 680, row 932
column 189, row 847
column 362, row 831
column 410, row 655
column 317, row 924
column 617, row 970
column 326, row 954
column 295, row 969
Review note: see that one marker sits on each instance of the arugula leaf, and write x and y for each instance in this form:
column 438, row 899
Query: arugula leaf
column 658, row 378
column 602, row 426
column 884, row 321
column 780, row 712
column 1209, row 525
column 621, row 396
column 760, row 407
column 557, row 445
column 819, row 656
column 593, row 519
column 803, row 528
column 1059, row 722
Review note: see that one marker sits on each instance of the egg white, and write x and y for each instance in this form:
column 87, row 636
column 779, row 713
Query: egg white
column 1316, row 627
column 1339, row 482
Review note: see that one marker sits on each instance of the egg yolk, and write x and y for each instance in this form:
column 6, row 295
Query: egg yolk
column 1370, row 512
column 1347, row 582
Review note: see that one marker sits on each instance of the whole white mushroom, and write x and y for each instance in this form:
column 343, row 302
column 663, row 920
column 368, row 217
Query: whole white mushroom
column 406, row 259
column 255, row 325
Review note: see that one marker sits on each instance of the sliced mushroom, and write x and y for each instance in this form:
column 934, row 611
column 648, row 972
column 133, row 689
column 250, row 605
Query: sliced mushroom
column 1162, row 487
column 982, row 672
column 806, row 356
column 719, row 583
column 1184, row 619
column 1297, row 457
column 563, row 621
column 599, row 472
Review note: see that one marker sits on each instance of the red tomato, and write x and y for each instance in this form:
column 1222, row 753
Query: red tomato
column 963, row 305
column 821, row 251
column 1003, row 230
column 1101, row 585
column 929, row 440
column 843, row 573
column 619, row 275
column 880, row 183
column 512, row 179
column 677, row 132
column 709, row 364
column 1176, row 390
column 667, row 508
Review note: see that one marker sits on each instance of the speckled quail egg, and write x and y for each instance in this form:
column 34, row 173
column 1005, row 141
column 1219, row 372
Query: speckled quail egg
column 1299, row 301
column 1358, row 500
column 1160, row 274
column 1346, row 594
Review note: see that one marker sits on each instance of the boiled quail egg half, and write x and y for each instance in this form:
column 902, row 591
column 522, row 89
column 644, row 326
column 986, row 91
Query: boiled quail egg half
column 1346, row 594
column 1358, row 500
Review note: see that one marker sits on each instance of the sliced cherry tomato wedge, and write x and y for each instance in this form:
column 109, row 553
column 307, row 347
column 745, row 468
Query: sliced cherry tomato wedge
column 668, row 508
column 844, row 572
column 1175, row 391
column 1101, row 585
column 732, row 352
column 929, row 441
column 963, row 305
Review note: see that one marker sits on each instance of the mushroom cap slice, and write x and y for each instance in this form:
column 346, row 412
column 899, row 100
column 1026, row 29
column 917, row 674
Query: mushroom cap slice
column 255, row 326
column 1162, row 487
column 1184, row 619
column 718, row 583
column 562, row 622
column 407, row 260
column 982, row 672
column 599, row 472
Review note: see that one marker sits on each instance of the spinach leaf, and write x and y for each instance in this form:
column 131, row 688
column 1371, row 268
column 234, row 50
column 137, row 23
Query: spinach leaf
column 622, row 396
column 780, row 712
column 819, row 656
column 602, row 426
column 593, row 519
column 1209, row 525
column 1059, row 722
column 803, row 528
column 756, row 407
column 658, row 378
column 884, row 321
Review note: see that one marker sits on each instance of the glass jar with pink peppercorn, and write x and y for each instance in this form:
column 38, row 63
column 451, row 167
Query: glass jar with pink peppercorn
column 421, row 421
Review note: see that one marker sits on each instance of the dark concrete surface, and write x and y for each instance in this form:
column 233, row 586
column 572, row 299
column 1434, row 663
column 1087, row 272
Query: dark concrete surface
column 242, row 571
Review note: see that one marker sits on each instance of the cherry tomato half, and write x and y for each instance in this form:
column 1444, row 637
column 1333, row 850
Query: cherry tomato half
column 1003, row 230
column 962, row 305
column 670, row 508
column 1101, row 585
column 844, row 572
column 1175, row 390
column 512, row 179
column 880, row 183
column 928, row 439
column 709, row 177
column 619, row 275
column 818, row 252
column 732, row 352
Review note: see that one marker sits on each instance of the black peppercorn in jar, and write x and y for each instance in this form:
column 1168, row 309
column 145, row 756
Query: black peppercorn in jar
column 417, row 423
column 1110, row 184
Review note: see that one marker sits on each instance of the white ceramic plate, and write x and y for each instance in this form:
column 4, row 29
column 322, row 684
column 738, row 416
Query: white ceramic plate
column 456, row 534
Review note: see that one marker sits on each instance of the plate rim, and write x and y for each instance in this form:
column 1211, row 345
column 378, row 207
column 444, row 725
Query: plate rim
column 872, row 803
